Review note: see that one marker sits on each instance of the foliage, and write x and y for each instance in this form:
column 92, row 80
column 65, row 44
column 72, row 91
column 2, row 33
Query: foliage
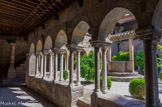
column 160, row 76
column 139, row 59
column 75, row 64
column 121, row 56
column 108, row 82
column 137, row 88
column 160, row 48
column 87, row 67
column 65, row 74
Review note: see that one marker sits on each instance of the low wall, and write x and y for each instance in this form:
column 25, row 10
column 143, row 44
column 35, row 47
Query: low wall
column 118, row 66
column 114, row 100
column 59, row 93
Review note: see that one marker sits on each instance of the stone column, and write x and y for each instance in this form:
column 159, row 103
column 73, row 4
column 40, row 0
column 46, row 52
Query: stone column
column 41, row 74
column 104, row 69
column 67, row 62
column 11, row 71
column 147, row 38
column 109, row 53
column 61, row 65
column 50, row 66
column 37, row 65
column 78, row 67
column 45, row 65
column 155, row 74
column 131, row 55
column 55, row 66
column 71, row 81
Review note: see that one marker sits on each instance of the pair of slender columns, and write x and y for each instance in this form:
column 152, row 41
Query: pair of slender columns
column 97, row 68
column 61, row 65
column 37, row 66
column 50, row 66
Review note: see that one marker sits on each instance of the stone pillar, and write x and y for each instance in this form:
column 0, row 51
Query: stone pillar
column 155, row 74
column 109, row 53
column 67, row 62
column 11, row 71
column 37, row 65
column 55, row 66
column 131, row 55
column 50, row 66
column 61, row 65
column 78, row 67
column 71, row 81
column 45, row 65
column 147, row 37
column 104, row 69
column 41, row 69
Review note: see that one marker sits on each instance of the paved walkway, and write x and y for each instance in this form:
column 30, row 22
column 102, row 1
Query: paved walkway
column 122, row 88
column 22, row 97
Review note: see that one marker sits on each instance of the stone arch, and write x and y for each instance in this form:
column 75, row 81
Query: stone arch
column 32, row 48
column 157, row 18
column 110, row 20
column 39, row 46
column 48, row 43
column 61, row 40
column 79, row 32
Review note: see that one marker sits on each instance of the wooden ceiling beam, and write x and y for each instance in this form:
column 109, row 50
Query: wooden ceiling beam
column 9, row 3
column 12, row 13
column 23, row 2
column 13, row 7
column 11, row 18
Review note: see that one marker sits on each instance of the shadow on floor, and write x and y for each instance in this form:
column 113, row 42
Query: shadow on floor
column 22, row 97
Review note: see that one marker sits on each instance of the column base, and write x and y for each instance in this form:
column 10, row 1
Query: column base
column 71, row 84
column 78, row 84
column 104, row 91
column 11, row 73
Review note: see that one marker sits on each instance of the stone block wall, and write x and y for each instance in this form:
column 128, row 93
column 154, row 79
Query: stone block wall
column 118, row 66
column 59, row 93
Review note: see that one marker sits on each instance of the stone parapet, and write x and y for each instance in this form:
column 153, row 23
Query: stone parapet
column 59, row 93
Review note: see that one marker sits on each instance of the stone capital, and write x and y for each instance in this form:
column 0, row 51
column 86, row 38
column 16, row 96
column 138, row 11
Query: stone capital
column 38, row 53
column 62, row 51
column 45, row 52
column 148, row 34
column 100, row 44
column 50, row 52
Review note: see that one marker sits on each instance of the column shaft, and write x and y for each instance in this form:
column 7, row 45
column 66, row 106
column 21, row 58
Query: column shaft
column 78, row 68
column 50, row 68
column 131, row 55
column 155, row 74
column 104, row 70
column 71, row 81
column 41, row 75
column 148, row 69
column 37, row 66
column 55, row 66
column 109, row 53
column 45, row 66
column 61, row 65
column 97, row 70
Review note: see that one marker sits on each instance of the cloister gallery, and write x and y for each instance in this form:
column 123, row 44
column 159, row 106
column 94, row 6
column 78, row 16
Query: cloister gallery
column 48, row 37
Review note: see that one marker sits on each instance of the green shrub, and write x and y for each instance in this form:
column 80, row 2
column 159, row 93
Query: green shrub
column 65, row 74
column 139, row 59
column 108, row 82
column 137, row 88
column 160, row 76
column 121, row 56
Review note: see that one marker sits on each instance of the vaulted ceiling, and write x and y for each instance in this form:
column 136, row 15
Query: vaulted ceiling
column 18, row 17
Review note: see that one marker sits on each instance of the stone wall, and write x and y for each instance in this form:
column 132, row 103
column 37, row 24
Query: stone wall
column 118, row 66
column 59, row 93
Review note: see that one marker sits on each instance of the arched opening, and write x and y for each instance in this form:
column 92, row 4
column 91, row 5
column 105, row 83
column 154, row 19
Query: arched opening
column 32, row 60
column 60, row 47
column 79, row 33
column 47, row 46
column 48, row 43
